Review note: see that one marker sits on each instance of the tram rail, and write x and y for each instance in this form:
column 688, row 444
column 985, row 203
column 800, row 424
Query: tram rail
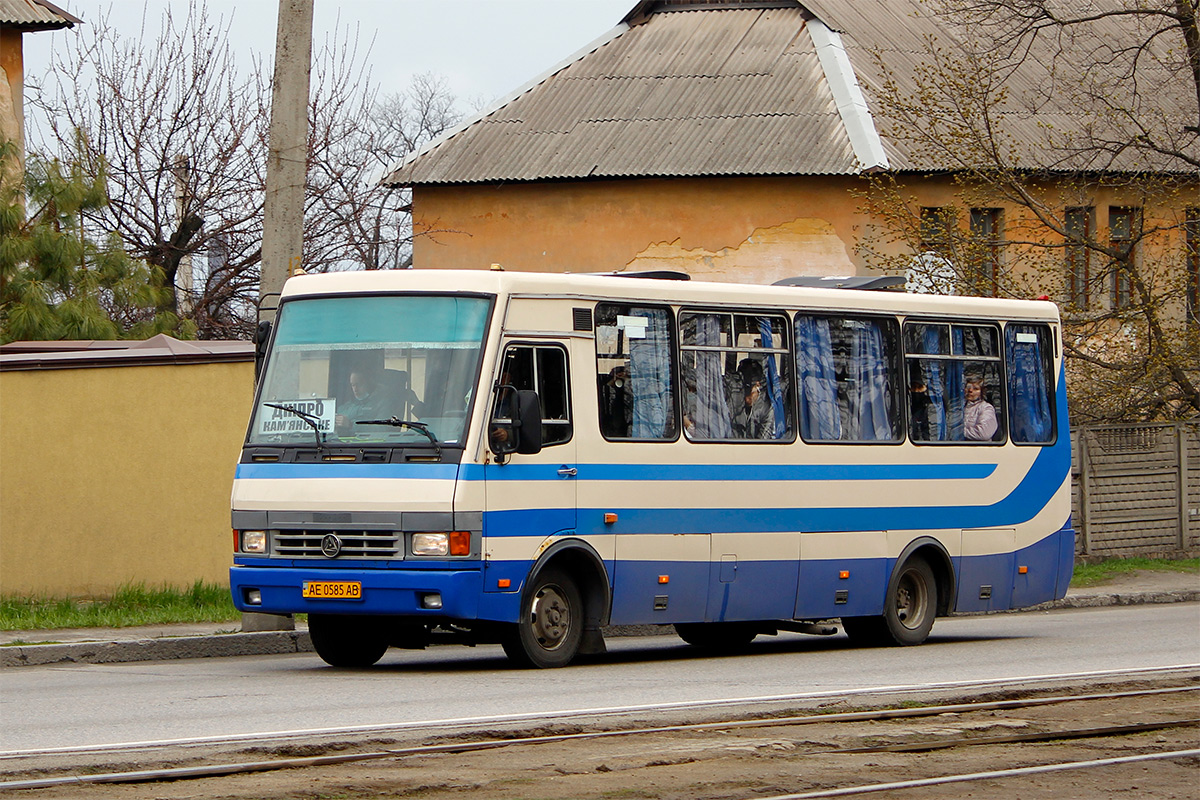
column 468, row 743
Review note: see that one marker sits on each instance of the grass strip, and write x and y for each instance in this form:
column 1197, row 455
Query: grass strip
column 1096, row 574
column 132, row 604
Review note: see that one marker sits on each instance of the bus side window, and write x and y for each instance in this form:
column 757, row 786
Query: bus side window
column 542, row 368
column 849, row 383
column 635, row 377
column 737, row 376
column 1027, row 350
column 954, row 381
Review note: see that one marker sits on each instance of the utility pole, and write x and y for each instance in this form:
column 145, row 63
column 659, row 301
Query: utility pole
column 287, row 157
column 287, row 166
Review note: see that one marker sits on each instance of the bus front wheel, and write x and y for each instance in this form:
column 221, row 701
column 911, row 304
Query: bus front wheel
column 551, row 626
column 908, row 612
column 346, row 641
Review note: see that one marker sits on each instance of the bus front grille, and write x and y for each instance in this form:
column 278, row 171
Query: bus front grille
column 351, row 544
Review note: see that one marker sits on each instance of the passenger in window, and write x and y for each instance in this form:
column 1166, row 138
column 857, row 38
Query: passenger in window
column 754, row 418
column 979, row 416
column 919, row 403
column 616, row 412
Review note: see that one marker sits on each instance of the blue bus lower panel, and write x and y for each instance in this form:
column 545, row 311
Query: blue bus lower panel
column 691, row 591
column 997, row 583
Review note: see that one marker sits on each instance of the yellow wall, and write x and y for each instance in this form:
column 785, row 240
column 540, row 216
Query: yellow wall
column 118, row 474
column 754, row 230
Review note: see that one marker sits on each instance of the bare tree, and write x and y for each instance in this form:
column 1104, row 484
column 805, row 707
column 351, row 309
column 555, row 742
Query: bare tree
column 1040, row 113
column 181, row 125
column 182, row 122
column 353, row 220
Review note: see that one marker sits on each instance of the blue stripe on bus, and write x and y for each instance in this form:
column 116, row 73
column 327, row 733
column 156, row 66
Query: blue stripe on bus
column 1029, row 497
column 739, row 472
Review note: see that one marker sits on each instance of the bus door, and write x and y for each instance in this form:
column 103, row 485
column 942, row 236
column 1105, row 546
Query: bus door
column 529, row 497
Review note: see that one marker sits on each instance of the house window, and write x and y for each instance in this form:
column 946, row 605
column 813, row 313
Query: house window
column 936, row 226
column 986, row 227
column 1122, row 231
column 1080, row 222
column 1191, row 234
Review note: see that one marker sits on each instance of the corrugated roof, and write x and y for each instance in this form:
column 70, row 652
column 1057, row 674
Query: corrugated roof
column 702, row 88
column 703, row 92
column 34, row 15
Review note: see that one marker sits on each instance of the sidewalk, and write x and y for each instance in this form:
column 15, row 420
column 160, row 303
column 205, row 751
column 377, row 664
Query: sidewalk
column 200, row 640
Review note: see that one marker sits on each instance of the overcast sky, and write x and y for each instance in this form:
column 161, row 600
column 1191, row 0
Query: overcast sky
column 483, row 48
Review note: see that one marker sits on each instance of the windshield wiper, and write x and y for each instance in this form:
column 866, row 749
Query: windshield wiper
column 396, row 422
column 311, row 419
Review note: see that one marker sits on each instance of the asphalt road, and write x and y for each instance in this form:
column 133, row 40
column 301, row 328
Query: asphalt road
column 84, row 704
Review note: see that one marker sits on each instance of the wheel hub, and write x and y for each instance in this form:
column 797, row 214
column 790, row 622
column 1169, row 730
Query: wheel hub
column 551, row 617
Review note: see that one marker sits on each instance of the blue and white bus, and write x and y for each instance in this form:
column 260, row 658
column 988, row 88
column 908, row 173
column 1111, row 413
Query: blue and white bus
column 489, row 456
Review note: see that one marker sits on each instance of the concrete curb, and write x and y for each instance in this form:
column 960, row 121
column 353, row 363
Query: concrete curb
column 273, row 642
column 166, row 649
column 1127, row 599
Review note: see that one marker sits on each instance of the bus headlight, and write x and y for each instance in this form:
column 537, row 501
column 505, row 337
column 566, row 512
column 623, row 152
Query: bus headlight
column 254, row 541
column 454, row 543
column 431, row 544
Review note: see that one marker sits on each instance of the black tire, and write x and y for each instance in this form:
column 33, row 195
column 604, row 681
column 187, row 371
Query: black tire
column 347, row 641
column 551, row 625
column 717, row 636
column 908, row 612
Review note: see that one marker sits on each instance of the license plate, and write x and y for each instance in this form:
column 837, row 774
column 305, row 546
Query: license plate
column 332, row 590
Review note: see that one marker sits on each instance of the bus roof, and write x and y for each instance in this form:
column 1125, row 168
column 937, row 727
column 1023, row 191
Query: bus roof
column 609, row 286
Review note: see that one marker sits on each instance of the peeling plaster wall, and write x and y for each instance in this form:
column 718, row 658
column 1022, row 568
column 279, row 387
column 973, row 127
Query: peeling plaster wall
column 803, row 246
column 726, row 229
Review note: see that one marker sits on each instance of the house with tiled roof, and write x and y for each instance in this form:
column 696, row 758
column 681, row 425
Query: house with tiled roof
column 732, row 140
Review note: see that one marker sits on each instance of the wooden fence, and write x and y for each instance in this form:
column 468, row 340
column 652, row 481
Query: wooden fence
column 1136, row 489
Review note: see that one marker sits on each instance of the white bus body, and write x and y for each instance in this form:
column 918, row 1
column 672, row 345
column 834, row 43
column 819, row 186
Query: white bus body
column 730, row 459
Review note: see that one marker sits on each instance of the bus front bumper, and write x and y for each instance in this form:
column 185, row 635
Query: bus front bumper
column 398, row 592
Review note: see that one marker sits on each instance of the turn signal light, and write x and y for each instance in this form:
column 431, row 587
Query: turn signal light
column 460, row 543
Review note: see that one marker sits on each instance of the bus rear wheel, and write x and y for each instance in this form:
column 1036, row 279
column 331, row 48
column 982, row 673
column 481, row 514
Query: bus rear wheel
column 716, row 635
column 908, row 612
column 347, row 641
column 551, row 626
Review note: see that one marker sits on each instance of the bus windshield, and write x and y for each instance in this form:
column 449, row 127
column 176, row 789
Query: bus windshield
column 354, row 370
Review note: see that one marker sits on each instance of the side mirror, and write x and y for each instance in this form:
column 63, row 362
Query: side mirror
column 528, row 422
column 516, row 425
column 262, row 335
